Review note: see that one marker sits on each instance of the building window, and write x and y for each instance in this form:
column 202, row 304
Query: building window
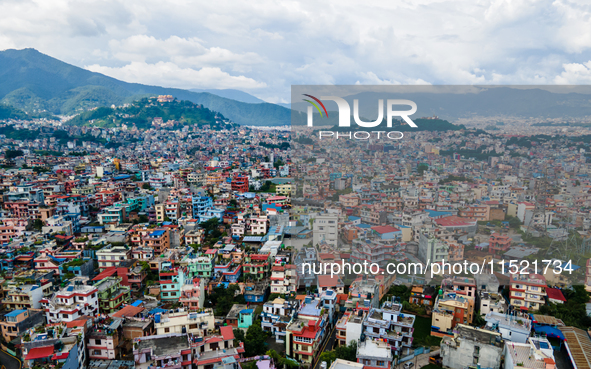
column 166, row 330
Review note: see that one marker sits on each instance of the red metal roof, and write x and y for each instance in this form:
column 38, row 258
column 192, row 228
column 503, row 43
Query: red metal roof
column 227, row 332
column 106, row 273
column 40, row 352
column 555, row 294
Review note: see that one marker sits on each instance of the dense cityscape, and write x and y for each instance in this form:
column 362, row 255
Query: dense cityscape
column 161, row 243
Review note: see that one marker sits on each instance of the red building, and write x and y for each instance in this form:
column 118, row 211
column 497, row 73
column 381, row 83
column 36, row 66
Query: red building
column 240, row 184
column 499, row 243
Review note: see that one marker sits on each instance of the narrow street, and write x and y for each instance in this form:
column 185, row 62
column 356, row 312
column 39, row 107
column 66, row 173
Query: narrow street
column 328, row 344
column 9, row 361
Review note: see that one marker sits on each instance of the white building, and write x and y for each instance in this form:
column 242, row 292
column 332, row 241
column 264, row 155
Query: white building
column 326, row 229
column 70, row 303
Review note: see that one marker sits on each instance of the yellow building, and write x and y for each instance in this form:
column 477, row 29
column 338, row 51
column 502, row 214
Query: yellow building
column 285, row 189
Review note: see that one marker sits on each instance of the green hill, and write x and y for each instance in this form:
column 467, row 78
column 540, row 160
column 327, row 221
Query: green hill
column 34, row 82
column 142, row 113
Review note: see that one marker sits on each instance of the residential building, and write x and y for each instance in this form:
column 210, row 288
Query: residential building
column 70, row 303
column 200, row 323
column 111, row 294
column 527, row 291
column 111, row 256
column 23, row 297
column 16, row 322
column 472, row 347
column 450, row 309
column 391, row 325
column 172, row 350
column 515, row 328
column 536, row 353
column 325, row 229
column 306, row 332
column 276, row 315
column 374, row 354
column 498, row 244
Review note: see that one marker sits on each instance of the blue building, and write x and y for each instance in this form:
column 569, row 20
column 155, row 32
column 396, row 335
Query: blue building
column 200, row 205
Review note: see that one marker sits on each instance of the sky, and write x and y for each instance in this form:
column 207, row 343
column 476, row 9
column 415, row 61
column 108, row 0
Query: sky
column 263, row 47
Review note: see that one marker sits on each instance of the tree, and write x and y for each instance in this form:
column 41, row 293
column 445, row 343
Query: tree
column 143, row 218
column 422, row 168
column 255, row 340
column 238, row 336
column 348, row 352
column 514, row 222
column 38, row 224
column 11, row 154
column 146, row 186
column 222, row 299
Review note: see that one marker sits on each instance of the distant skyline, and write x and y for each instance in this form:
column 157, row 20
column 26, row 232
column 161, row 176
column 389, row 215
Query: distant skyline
column 264, row 47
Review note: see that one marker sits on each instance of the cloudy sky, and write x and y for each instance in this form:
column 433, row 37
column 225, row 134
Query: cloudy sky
column 263, row 47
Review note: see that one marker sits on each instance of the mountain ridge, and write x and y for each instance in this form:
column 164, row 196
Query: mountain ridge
column 33, row 82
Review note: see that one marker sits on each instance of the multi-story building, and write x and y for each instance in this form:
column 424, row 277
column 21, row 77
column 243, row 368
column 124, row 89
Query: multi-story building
column 476, row 212
column 492, row 302
column 240, row 184
column 422, row 295
column 536, row 353
column 516, row 328
column 103, row 343
column 200, row 323
column 326, row 229
column 195, row 236
column 284, row 279
column 472, row 347
column 498, row 244
column 158, row 240
column 286, row 189
column 527, row 291
column 70, row 303
column 217, row 351
column 111, row 256
column 57, row 344
column 390, row 324
column 257, row 265
column 432, row 249
column 375, row 354
column 276, row 316
column 172, row 350
column 23, row 297
column 200, row 265
column 306, row 257
column 305, row 333
column 172, row 280
column 193, row 294
column 18, row 321
column 450, row 309
column 350, row 327
column 111, row 294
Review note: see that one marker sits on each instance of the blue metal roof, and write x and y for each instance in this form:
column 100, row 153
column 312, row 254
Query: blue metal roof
column 137, row 303
column 549, row 331
column 246, row 311
column 157, row 233
column 15, row 313
column 157, row 310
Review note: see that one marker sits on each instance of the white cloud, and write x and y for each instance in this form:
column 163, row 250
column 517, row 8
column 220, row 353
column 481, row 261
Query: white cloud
column 265, row 46
column 575, row 74
column 168, row 74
